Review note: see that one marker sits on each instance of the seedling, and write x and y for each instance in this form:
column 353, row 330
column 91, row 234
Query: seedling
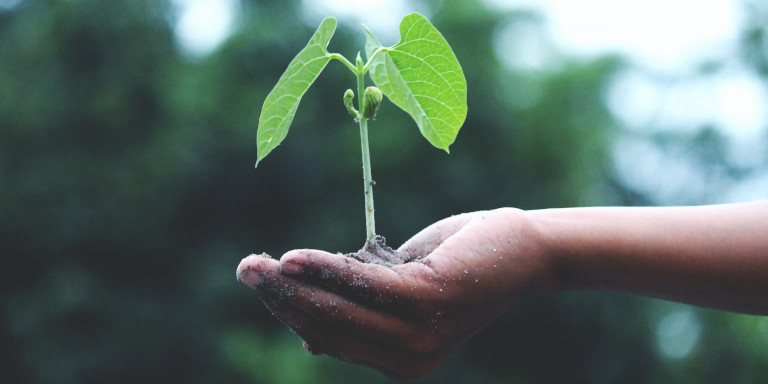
column 420, row 74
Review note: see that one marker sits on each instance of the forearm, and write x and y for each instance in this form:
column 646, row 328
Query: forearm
column 712, row 256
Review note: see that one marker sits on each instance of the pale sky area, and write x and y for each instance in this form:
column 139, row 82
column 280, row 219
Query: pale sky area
column 662, row 39
column 664, row 34
column 204, row 24
column 649, row 33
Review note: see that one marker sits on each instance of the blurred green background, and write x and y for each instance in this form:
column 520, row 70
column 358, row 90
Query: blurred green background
column 128, row 194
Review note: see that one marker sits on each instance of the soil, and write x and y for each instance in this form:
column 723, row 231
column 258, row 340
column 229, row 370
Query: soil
column 380, row 253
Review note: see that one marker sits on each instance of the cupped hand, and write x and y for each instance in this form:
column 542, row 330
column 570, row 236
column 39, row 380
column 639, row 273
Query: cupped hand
column 406, row 319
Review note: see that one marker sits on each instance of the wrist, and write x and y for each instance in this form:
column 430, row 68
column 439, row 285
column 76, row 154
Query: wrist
column 531, row 247
column 552, row 232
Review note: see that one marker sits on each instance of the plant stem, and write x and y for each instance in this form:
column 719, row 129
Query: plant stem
column 343, row 61
column 370, row 222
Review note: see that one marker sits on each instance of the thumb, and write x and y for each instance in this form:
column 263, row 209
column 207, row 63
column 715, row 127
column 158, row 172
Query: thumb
column 431, row 237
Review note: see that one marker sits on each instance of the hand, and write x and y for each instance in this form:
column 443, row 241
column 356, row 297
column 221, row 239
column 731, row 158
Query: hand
column 405, row 320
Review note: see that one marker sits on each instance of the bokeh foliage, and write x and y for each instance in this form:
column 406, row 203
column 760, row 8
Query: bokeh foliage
column 128, row 196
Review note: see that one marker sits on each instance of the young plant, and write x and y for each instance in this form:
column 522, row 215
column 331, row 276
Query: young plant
column 420, row 74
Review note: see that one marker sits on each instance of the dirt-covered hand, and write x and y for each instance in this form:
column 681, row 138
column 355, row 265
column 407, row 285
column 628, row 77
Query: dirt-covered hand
column 406, row 319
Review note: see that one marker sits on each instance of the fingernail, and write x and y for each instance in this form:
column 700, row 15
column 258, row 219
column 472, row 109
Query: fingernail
column 248, row 277
column 290, row 268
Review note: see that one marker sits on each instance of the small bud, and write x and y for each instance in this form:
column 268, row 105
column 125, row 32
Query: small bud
column 349, row 96
column 371, row 101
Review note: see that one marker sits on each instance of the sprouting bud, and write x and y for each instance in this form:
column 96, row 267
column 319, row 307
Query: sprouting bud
column 371, row 101
column 349, row 96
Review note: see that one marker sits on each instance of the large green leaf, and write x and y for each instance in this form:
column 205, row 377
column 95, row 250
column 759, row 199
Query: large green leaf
column 421, row 75
column 281, row 103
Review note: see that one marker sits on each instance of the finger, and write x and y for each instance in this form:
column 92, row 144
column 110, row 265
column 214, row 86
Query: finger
column 277, row 292
column 253, row 269
column 390, row 373
column 396, row 361
column 362, row 321
column 387, row 348
column 318, row 336
column 371, row 284
column 428, row 239
column 329, row 308
column 298, row 306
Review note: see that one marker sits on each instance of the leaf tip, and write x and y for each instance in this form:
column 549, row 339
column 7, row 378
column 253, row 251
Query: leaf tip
column 259, row 158
column 329, row 19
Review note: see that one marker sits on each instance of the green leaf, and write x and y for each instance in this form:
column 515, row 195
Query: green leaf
column 281, row 103
column 421, row 75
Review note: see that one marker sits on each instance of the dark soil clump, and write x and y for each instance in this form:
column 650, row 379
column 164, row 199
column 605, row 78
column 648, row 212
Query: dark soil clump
column 380, row 253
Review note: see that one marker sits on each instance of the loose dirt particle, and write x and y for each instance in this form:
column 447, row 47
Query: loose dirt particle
column 380, row 253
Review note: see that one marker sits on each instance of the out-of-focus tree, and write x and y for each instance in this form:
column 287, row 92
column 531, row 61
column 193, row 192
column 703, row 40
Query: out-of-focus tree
column 94, row 170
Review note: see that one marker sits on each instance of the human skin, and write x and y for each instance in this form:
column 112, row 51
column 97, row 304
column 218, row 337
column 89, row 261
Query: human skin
column 405, row 320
